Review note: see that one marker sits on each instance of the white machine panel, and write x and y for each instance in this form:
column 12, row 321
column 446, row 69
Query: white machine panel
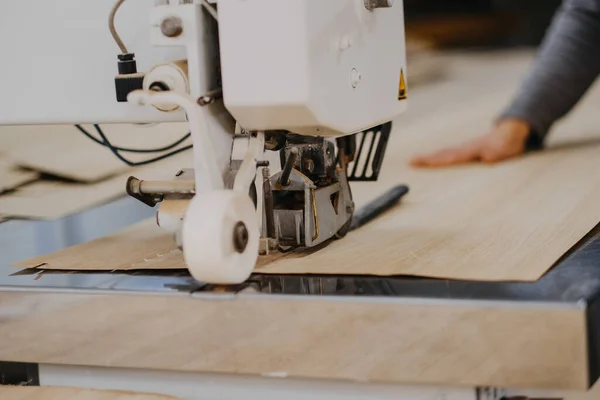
column 59, row 61
column 311, row 66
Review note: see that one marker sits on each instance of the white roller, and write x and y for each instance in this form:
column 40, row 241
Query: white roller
column 173, row 75
column 208, row 237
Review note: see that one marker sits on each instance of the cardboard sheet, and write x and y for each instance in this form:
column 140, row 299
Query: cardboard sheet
column 507, row 222
column 63, row 151
column 63, row 393
column 142, row 246
column 56, row 199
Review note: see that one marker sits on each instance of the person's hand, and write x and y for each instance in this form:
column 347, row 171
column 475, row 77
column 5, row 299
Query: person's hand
column 506, row 140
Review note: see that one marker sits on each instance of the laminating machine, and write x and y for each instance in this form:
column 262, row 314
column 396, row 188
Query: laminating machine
column 287, row 102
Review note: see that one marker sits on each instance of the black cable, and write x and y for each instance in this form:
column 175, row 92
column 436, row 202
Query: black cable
column 113, row 30
column 116, row 150
column 134, row 163
column 130, row 150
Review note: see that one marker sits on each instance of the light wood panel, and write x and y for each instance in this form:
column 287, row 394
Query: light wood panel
column 444, row 343
column 61, row 393
column 507, row 222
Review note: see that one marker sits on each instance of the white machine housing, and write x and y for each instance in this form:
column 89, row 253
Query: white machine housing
column 60, row 61
column 311, row 66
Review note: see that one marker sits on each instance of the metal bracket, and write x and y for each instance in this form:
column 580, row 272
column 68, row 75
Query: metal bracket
column 133, row 189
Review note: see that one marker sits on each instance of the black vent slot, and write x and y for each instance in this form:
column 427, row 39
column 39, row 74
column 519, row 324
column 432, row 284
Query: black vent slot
column 370, row 150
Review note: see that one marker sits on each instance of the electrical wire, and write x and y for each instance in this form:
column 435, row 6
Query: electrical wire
column 138, row 163
column 111, row 26
column 130, row 150
column 116, row 149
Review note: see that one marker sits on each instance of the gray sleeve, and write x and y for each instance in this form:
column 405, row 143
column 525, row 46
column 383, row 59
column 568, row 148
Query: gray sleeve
column 566, row 65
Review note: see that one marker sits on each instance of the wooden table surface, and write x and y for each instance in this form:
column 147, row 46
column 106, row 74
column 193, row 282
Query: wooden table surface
column 499, row 344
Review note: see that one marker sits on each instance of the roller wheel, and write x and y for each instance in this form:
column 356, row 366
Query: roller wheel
column 220, row 237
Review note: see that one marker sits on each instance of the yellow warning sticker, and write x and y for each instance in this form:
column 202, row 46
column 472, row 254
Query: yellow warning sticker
column 402, row 86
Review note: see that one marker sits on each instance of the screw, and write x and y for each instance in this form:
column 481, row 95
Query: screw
column 240, row 237
column 349, row 209
column 171, row 27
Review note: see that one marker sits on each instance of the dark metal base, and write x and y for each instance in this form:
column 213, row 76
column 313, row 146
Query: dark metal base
column 19, row 374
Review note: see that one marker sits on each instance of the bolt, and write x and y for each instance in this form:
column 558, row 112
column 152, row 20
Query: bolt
column 263, row 163
column 240, row 237
column 349, row 209
column 171, row 27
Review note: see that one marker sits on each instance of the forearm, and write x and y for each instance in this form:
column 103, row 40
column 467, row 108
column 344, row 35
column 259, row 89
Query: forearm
column 566, row 66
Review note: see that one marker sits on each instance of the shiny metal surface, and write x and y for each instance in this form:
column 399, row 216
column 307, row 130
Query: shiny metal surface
column 575, row 278
column 12, row 278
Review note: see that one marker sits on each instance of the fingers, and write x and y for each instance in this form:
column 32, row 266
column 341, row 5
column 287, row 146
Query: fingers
column 494, row 147
column 492, row 156
column 452, row 156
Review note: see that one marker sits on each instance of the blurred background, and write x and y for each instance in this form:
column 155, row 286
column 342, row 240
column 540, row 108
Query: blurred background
column 478, row 23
